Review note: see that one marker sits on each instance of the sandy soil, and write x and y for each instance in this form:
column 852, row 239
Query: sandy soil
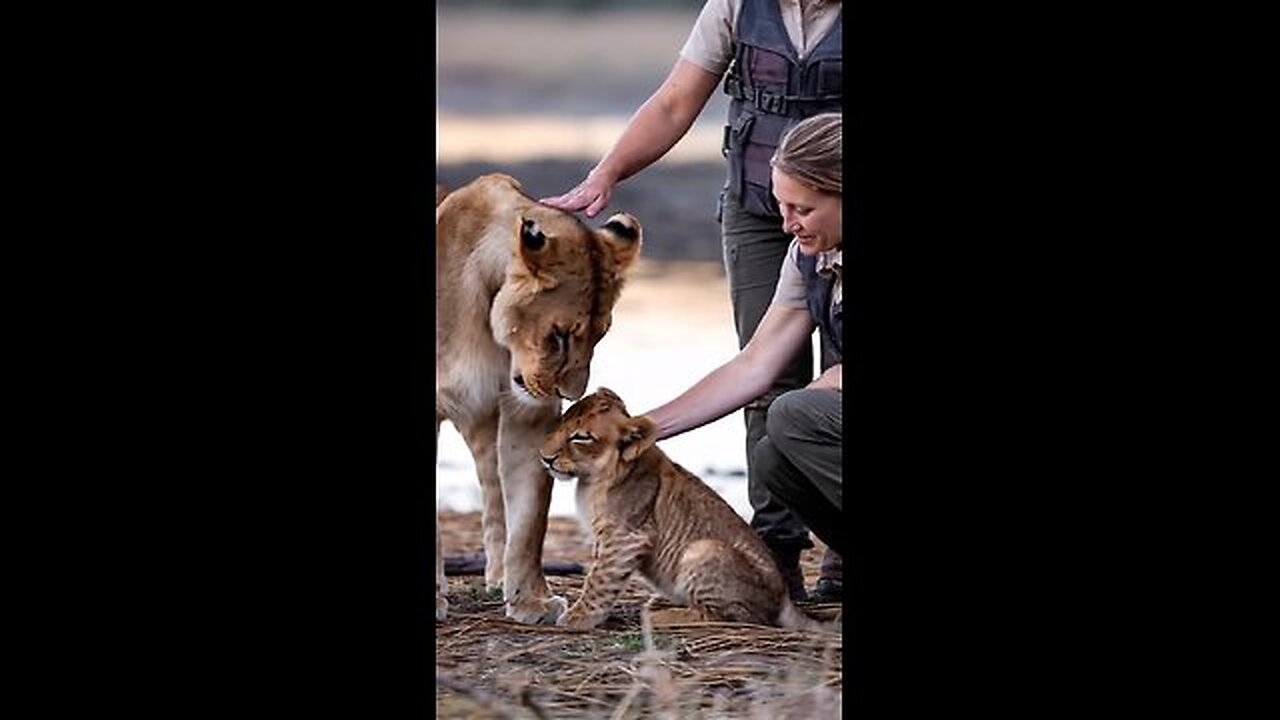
column 566, row 540
column 524, row 137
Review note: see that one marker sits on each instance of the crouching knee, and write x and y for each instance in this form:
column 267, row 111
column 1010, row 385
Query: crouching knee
column 788, row 418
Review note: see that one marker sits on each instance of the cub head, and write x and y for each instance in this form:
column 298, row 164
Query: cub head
column 596, row 438
column 557, row 299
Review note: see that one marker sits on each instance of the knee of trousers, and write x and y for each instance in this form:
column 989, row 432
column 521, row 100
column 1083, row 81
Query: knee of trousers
column 788, row 420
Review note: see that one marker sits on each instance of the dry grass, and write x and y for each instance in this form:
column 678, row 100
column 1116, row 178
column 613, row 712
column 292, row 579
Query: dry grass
column 643, row 662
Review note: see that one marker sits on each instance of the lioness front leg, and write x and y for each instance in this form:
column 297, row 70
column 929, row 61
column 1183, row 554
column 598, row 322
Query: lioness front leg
column 526, row 492
column 481, row 436
column 442, row 584
column 619, row 555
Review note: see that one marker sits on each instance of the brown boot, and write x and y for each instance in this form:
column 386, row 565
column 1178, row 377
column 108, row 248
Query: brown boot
column 788, row 561
column 830, row 587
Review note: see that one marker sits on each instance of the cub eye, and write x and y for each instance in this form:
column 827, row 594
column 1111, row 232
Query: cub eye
column 581, row 438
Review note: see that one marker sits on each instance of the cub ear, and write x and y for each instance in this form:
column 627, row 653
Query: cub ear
column 534, row 250
column 638, row 434
column 621, row 234
column 441, row 192
column 611, row 395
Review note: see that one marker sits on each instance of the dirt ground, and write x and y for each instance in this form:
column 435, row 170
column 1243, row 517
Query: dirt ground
column 488, row 666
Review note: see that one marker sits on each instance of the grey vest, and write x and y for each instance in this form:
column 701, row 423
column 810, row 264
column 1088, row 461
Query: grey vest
column 772, row 91
column 818, row 291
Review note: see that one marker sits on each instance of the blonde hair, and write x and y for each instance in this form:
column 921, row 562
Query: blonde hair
column 811, row 153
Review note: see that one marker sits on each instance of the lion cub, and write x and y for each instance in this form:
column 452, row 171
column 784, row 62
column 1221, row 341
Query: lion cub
column 650, row 515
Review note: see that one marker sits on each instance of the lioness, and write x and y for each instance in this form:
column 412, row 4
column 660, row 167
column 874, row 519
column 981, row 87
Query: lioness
column 650, row 515
column 523, row 294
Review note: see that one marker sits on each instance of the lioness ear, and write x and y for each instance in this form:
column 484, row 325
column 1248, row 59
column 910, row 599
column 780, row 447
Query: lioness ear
column 441, row 192
column 531, row 238
column 534, row 252
column 638, row 434
column 622, row 234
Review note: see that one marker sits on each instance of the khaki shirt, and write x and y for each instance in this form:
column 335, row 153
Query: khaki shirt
column 791, row 292
column 711, row 44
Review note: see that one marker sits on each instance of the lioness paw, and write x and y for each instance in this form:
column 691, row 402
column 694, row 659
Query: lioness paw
column 493, row 577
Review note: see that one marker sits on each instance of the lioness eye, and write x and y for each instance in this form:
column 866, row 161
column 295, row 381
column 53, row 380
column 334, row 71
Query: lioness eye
column 581, row 438
column 561, row 340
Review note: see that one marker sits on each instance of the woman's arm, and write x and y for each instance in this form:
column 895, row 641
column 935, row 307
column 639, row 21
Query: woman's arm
column 832, row 379
column 781, row 334
column 658, row 125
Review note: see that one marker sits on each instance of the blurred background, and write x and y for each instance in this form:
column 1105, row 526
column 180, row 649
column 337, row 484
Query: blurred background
column 540, row 90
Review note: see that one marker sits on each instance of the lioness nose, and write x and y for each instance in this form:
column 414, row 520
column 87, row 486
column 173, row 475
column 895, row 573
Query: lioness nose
column 519, row 380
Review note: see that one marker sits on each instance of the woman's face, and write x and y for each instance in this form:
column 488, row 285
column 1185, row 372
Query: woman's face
column 811, row 215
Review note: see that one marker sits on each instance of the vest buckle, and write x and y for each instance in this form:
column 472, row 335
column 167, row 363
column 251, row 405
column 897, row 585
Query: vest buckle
column 770, row 102
column 733, row 87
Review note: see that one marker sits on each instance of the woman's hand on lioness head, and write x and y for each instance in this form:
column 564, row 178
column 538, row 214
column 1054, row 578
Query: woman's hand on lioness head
column 592, row 193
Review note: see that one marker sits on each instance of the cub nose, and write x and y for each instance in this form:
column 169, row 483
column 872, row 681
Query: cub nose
column 548, row 460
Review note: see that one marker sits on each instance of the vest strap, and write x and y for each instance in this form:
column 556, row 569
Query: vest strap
column 768, row 101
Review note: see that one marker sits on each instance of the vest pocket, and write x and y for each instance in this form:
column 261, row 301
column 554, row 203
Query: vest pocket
column 830, row 78
column 735, row 144
column 758, row 178
column 757, row 149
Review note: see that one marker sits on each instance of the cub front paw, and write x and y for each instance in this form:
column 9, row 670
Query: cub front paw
column 538, row 611
column 442, row 608
column 575, row 620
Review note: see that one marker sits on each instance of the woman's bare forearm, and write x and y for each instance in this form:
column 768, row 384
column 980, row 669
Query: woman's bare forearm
column 660, row 122
column 780, row 335
column 722, row 391
column 653, row 130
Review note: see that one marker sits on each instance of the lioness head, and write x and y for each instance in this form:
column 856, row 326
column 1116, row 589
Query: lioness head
column 595, row 438
column 557, row 300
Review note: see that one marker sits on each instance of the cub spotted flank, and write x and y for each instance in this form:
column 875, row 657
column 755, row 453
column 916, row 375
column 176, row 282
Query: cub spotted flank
column 650, row 516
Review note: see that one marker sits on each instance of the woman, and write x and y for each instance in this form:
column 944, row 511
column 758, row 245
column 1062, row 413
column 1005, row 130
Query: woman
column 799, row 458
